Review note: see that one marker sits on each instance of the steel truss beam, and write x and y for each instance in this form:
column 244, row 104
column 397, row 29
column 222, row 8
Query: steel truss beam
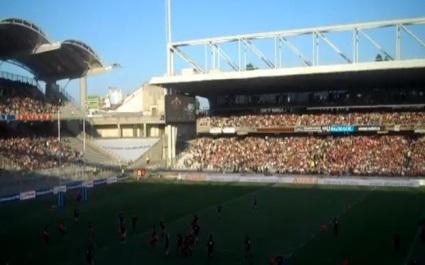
column 376, row 44
column 258, row 52
column 413, row 35
column 226, row 57
column 334, row 47
column 246, row 42
column 187, row 58
column 296, row 51
column 298, row 32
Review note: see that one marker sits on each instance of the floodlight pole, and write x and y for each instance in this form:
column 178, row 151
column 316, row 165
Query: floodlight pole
column 168, row 38
column 84, row 132
column 59, row 124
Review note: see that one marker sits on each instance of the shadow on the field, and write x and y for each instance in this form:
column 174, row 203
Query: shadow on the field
column 15, row 181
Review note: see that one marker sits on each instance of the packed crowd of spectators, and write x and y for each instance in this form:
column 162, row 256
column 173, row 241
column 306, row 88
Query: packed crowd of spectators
column 417, row 157
column 26, row 153
column 24, row 99
column 288, row 119
column 348, row 155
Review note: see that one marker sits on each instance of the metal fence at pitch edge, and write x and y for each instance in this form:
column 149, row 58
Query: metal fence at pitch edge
column 32, row 194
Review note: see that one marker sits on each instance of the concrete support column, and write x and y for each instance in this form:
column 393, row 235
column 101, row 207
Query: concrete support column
column 83, row 93
column 145, row 130
column 168, row 135
column 171, row 134
column 51, row 88
column 119, row 130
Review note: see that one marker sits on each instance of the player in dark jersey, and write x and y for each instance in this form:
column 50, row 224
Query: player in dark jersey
column 90, row 255
column 195, row 219
column 248, row 247
column 134, row 221
column 210, row 246
column 179, row 242
column 76, row 215
column 162, row 227
column 188, row 244
column 336, row 226
column 154, row 238
column 219, row 209
column 78, row 197
column 167, row 244
column 196, row 230
column 191, row 240
column 255, row 203
column 123, row 232
column 91, row 231
column 186, row 250
column 62, row 228
column 121, row 218
column 46, row 235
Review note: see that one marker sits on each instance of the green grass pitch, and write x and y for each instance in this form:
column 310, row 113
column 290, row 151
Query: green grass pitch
column 289, row 221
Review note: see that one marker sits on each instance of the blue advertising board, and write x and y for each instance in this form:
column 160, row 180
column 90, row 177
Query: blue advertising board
column 7, row 117
column 342, row 129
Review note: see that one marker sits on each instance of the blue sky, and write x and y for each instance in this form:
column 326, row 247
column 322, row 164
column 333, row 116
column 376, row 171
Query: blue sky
column 132, row 33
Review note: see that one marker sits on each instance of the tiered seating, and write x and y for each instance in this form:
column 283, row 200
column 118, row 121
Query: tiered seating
column 349, row 155
column 18, row 98
column 286, row 119
column 35, row 153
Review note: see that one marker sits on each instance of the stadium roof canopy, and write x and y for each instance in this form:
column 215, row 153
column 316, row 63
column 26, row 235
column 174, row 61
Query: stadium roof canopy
column 26, row 45
column 385, row 74
column 289, row 60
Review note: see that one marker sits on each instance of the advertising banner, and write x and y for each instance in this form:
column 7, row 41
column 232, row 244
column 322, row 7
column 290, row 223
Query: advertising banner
column 111, row 180
column 35, row 117
column 9, row 198
column 276, row 130
column 342, row 129
column 44, row 192
column 58, row 189
column 88, row 184
column 308, row 129
column 229, row 130
column 195, row 177
column 326, row 128
column 27, row 195
column 368, row 128
column 215, row 130
column 99, row 182
column 7, row 117
column 306, row 180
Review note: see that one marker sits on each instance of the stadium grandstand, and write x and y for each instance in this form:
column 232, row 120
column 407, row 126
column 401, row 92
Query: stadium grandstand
column 311, row 149
column 41, row 138
column 359, row 116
